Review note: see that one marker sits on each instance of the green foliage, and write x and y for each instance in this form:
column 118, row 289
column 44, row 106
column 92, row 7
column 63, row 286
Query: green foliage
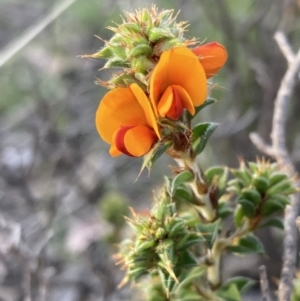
column 201, row 134
column 261, row 190
column 247, row 245
column 161, row 245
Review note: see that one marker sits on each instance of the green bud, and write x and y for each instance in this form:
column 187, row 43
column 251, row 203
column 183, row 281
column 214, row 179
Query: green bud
column 117, row 39
column 124, row 79
column 158, row 33
column 142, row 64
column 168, row 43
column 138, row 40
column 261, row 183
column 251, row 195
column 277, row 177
column 119, row 51
column 130, row 27
column 165, row 250
column 142, row 49
column 160, row 233
column 243, row 175
column 145, row 16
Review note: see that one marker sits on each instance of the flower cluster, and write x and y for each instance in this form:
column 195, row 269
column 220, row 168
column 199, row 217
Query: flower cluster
column 161, row 77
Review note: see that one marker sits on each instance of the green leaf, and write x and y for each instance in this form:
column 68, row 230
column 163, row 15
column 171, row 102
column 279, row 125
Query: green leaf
column 201, row 134
column 252, row 195
column 230, row 293
column 261, row 183
column 219, row 173
column 157, row 151
column 189, row 277
column 249, row 244
column 183, row 193
column 273, row 222
column 242, row 283
column 180, row 179
column 271, row 206
column 207, row 102
column 238, row 215
column 248, row 207
column 224, row 209
column 209, row 232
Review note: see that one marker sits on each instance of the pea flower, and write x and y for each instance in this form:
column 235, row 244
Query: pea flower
column 126, row 121
column 212, row 57
column 177, row 82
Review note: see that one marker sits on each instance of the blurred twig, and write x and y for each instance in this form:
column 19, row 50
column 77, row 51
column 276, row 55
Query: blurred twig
column 264, row 283
column 279, row 151
column 11, row 49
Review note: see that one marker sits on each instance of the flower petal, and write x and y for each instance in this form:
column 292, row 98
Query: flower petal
column 146, row 105
column 170, row 104
column 185, row 99
column 139, row 140
column 179, row 66
column 212, row 57
column 114, row 152
column 118, row 107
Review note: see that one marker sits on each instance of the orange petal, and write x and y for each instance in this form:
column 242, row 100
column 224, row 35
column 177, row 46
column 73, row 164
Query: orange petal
column 114, row 152
column 139, row 140
column 170, row 104
column 118, row 107
column 185, row 99
column 212, row 57
column 179, row 66
column 146, row 105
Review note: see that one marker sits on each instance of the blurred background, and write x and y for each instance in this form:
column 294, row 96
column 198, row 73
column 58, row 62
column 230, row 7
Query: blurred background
column 61, row 195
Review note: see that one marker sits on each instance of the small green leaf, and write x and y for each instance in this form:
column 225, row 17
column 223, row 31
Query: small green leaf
column 209, row 232
column 115, row 62
column 157, row 33
column 273, row 222
column 207, row 102
column 271, row 206
column 190, row 277
column 277, row 177
column 261, row 183
column 247, row 245
column 248, row 207
column 142, row 49
column 184, row 194
column 238, row 215
column 201, row 134
column 224, row 209
column 282, row 187
column 157, row 151
column 180, row 179
column 144, row 245
column 242, row 283
column 217, row 172
column 251, row 195
column 230, row 293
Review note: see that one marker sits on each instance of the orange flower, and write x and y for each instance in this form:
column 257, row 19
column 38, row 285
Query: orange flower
column 212, row 57
column 178, row 81
column 126, row 120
